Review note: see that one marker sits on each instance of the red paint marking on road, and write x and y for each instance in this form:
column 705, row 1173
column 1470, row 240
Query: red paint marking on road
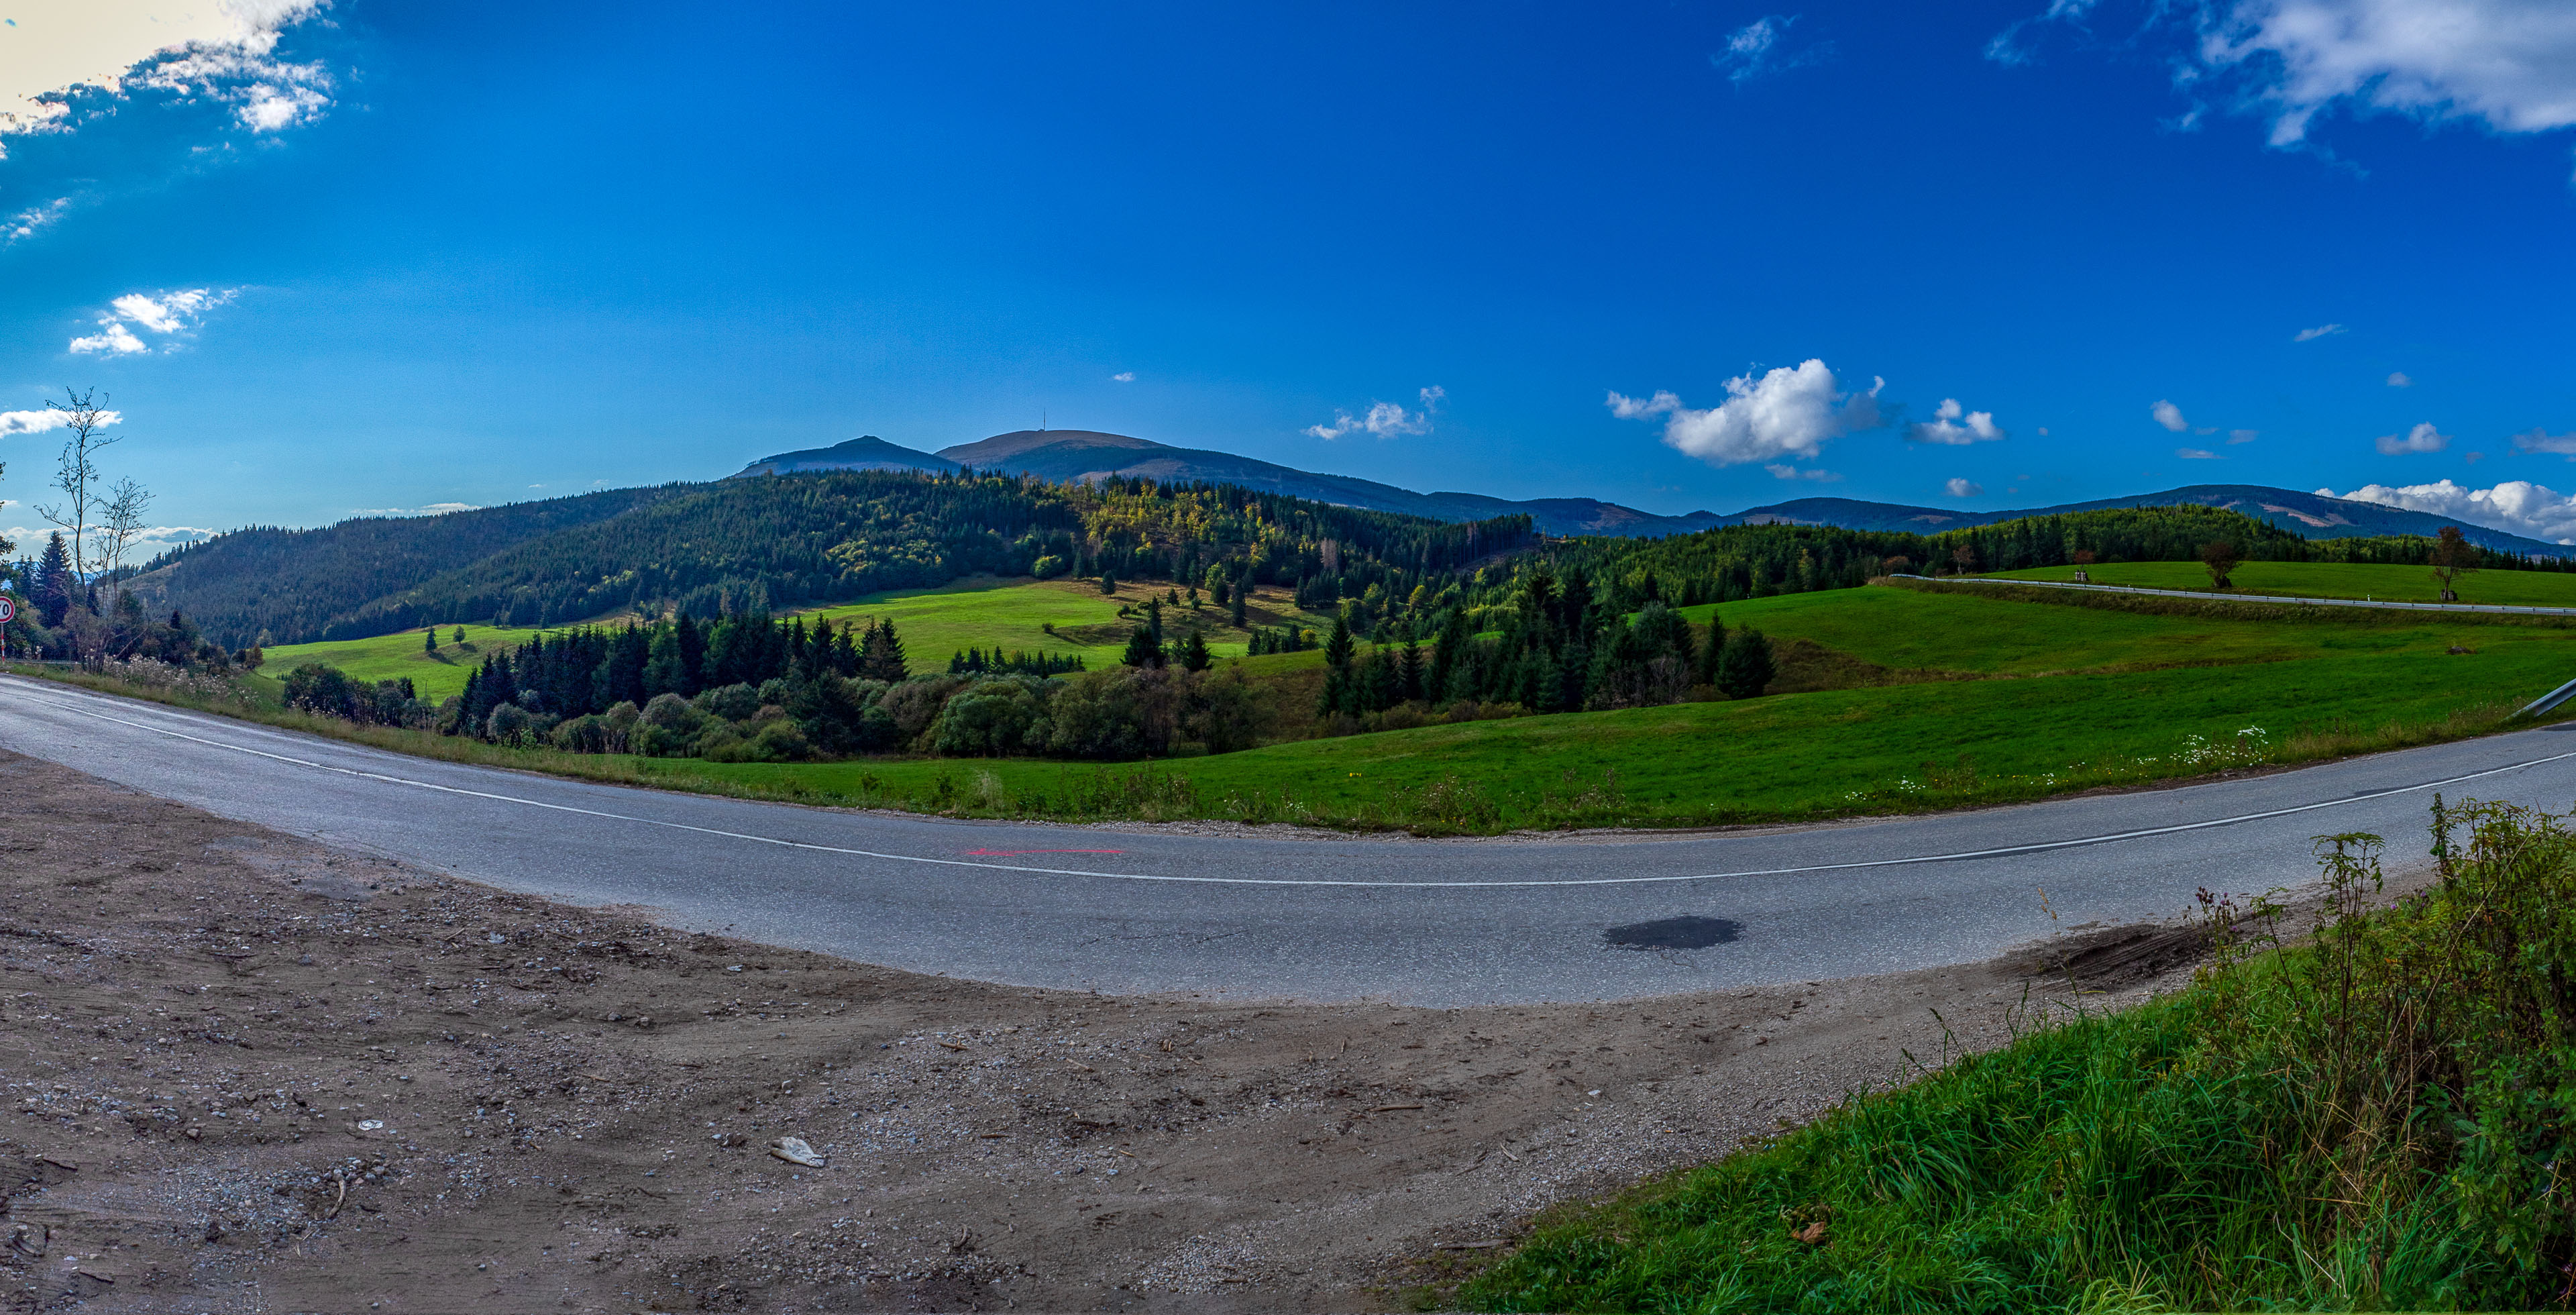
column 1015, row 853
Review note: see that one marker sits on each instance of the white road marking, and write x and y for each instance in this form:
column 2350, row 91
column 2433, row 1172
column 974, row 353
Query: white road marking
column 2003, row 852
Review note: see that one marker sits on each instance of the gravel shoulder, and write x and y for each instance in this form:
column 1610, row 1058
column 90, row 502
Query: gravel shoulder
column 244, row 1071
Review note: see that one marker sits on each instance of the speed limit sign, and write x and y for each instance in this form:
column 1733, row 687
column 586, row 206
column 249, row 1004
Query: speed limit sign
column 8, row 609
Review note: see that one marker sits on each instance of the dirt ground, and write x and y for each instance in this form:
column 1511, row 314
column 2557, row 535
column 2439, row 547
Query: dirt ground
column 248, row 1073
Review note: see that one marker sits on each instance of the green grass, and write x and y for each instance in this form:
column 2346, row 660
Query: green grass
column 2371, row 1120
column 392, row 657
column 2401, row 584
column 1012, row 614
column 978, row 612
column 2027, row 699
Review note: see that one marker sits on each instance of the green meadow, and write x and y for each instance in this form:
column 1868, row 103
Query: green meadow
column 1940, row 699
column 2402, row 584
column 978, row 612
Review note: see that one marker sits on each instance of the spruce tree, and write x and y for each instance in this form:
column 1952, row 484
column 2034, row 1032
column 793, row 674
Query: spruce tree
column 459, row 636
column 1746, row 667
column 1194, row 653
column 1238, row 615
column 429, row 640
column 1142, row 651
column 1410, row 673
column 54, row 582
column 1705, row 663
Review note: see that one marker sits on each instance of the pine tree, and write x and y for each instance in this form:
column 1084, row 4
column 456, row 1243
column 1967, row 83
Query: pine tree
column 1337, row 650
column 1194, row 653
column 429, row 640
column 54, row 582
column 1142, row 651
column 1409, row 673
column 1746, row 667
column 1238, row 617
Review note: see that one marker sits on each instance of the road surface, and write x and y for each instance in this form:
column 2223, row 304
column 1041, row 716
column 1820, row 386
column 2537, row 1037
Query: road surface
column 2199, row 596
column 1425, row 922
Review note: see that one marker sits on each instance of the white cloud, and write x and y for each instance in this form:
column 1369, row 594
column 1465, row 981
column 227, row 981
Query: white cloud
column 2538, row 440
column 2197, row 454
column 1787, row 413
column 37, row 422
column 2422, row 438
column 2321, row 331
column 2515, row 506
column 1779, row 471
column 117, row 340
column 1384, row 419
column 162, row 313
column 1123, row 377
column 1756, row 49
column 2508, row 64
column 2235, row 436
column 219, row 50
column 2170, row 416
column 1945, row 426
column 2398, row 379
column 432, row 509
column 149, row 542
column 1960, row 488
column 32, row 220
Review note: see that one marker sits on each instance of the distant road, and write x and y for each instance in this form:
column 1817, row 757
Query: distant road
column 2203, row 596
column 1439, row 922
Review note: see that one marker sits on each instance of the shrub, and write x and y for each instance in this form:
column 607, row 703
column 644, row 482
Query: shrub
column 994, row 717
column 1123, row 712
column 730, row 702
column 913, row 705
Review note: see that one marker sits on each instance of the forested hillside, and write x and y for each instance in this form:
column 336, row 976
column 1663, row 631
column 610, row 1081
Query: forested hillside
column 775, row 543
column 263, row 585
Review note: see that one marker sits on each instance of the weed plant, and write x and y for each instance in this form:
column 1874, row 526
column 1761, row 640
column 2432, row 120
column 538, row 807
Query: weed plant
column 2377, row 1117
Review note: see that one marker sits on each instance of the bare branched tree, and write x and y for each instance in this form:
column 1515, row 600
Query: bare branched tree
column 85, row 420
column 120, row 524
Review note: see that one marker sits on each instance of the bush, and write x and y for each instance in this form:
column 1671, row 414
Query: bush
column 913, row 705
column 994, row 717
column 1123, row 712
column 730, row 702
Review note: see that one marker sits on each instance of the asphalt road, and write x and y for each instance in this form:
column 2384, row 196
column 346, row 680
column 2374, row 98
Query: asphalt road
column 2376, row 604
column 1426, row 922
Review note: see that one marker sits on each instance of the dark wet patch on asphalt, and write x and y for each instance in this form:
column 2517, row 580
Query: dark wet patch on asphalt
column 1689, row 932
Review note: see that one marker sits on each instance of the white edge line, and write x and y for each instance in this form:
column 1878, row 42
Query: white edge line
column 2003, row 852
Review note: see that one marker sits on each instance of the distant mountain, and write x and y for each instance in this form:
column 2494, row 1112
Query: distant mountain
column 1071, row 454
column 2312, row 515
column 866, row 452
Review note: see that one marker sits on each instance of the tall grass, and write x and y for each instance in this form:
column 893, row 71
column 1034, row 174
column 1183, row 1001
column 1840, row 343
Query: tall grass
column 2378, row 1117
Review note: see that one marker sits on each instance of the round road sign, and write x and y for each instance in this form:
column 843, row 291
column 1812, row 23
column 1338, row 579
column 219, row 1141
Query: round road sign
column 8, row 609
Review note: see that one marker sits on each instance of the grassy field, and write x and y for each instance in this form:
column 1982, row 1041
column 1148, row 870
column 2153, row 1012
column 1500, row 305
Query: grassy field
column 978, row 612
column 988, row 613
column 1959, row 699
column 392, row 657
column 2402, row 584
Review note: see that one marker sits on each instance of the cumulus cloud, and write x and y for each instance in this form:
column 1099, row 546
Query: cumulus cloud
column 1779, row 471
column 2538, row 440
column 1123, row 377
column 1960, row 488
column 2170, row 416
column 37, row 422
column 1757, row 48
column 2515, row 506
column 2507, row 64
column 165, row 313
column 2197, row 454
column 1949, row 426
column 2398, row 379
column 2235, row 436
column 223, row 51
column 1786, row 413
column 2322, row 330
column 2422, row 438
column 1384, row 419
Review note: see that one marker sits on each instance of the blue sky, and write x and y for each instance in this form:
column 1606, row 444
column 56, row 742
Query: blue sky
column 460, row 254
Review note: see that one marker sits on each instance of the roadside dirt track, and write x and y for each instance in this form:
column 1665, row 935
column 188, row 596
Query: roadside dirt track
column 245, row 1072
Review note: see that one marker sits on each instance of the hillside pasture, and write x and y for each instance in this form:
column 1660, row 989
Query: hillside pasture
column 989, row 612
column 2400, row 584
column 395, row 656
